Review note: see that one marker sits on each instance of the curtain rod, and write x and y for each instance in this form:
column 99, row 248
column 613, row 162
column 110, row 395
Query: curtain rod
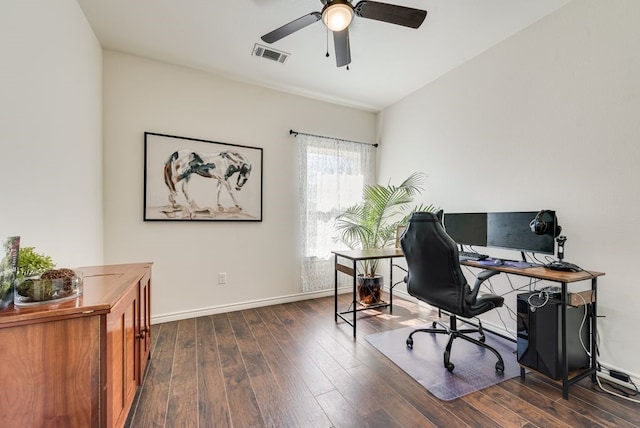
column 296, row 133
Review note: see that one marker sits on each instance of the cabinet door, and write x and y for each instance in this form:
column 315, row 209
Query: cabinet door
column 145, row 323
column 122, row 374
column 50, row 373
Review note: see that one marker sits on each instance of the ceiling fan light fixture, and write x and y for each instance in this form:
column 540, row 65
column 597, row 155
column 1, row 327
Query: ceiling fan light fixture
column 337, row 15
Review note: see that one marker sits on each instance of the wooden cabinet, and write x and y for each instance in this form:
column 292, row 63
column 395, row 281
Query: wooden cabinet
column 78, row 363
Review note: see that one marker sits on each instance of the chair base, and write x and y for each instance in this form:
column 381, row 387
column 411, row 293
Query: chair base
column 454, row 333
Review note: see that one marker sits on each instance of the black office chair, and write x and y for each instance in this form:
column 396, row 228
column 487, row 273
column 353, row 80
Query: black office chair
column 434, row 276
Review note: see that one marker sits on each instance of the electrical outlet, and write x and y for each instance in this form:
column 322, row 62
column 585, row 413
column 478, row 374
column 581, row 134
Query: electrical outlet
column 222, row 278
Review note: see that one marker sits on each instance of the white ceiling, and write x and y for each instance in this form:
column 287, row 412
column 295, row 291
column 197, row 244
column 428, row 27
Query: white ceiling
column 388, row 61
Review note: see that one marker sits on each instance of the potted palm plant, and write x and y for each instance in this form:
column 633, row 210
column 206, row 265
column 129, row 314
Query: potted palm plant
column 372, row 224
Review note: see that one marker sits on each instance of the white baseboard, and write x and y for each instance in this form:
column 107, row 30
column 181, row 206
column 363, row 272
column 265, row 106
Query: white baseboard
column 212, row 310
column 405, row 295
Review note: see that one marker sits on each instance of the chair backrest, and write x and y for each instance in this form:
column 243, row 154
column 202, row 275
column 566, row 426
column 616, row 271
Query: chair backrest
column 434, row 273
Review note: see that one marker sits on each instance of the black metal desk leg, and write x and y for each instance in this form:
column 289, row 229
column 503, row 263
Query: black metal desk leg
column 594, row 331
column 565, row 360
column 390, row 285
column 354, row 298
column 335, row 287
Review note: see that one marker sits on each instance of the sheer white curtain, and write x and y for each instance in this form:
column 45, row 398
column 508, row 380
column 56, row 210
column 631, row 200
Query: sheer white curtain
column 332, row 175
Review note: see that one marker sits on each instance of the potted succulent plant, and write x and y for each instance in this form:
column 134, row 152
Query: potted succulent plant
column 38, row 281
column 372, row 224
column 31, row 263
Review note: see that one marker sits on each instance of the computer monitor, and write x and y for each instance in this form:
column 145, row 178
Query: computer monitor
column 467, row 228
column 512, row 230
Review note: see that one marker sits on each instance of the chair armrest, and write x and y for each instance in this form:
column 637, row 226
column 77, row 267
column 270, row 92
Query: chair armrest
column 480, row 278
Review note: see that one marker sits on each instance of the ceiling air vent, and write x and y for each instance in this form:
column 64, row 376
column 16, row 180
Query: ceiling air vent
column 268, row 53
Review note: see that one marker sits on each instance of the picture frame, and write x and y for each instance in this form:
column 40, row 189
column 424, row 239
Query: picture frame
column 191, row 179
column 8, row 270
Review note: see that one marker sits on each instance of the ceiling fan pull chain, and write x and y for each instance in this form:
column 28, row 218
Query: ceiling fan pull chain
column 327, row 55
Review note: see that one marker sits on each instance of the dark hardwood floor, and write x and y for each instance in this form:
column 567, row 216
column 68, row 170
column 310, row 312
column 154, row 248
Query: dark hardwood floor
column 291, row 365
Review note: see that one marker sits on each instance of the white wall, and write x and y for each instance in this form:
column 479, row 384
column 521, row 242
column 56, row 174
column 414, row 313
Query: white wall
column 261, row 259
column 50, row 130
column 548, row 119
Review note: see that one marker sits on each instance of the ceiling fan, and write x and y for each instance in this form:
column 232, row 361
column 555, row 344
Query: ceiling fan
column 338, row 14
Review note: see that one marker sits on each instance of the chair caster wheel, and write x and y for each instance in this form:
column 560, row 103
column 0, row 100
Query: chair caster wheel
column 482, row 339
column 410, row 343
column 434, row 324
column 500, row 366
column 447, row 363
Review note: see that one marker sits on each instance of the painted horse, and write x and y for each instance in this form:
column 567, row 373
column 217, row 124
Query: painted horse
column 221, row 166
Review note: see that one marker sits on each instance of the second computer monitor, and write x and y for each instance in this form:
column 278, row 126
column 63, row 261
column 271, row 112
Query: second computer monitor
column 467, row 228
column 512, row 230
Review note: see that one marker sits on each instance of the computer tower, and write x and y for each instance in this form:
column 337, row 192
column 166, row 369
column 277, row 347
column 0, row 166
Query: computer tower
column 540, row 334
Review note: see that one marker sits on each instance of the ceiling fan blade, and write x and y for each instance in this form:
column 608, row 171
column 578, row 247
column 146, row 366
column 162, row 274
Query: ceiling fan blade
column 391, row 13
column 291, row 27
column 341, row 44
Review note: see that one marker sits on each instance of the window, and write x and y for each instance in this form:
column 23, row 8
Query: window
column 332, row 175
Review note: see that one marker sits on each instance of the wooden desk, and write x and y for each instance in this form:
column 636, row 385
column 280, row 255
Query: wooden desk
column 542, row 273
column 563, row 278
column 356, row 256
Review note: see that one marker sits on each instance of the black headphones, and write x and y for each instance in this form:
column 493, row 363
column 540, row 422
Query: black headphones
column 541, row 227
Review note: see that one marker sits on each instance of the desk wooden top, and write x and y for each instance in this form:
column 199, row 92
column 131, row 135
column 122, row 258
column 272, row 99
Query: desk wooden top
column 539, row 272
column 378, row 253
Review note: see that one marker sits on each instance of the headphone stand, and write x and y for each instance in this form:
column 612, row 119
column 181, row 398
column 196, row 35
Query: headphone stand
column 561, row 240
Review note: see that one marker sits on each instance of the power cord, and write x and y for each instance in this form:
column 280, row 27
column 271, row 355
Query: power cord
column 544, row 295
column 538, row 261
column 617, row 391
column 512, row 314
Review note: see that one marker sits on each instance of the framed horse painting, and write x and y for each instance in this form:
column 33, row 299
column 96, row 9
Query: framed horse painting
column 188, row 179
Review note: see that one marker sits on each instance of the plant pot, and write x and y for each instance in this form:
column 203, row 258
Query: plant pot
column 369, row 289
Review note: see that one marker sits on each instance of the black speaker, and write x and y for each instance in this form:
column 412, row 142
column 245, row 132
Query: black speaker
column 540, row 335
